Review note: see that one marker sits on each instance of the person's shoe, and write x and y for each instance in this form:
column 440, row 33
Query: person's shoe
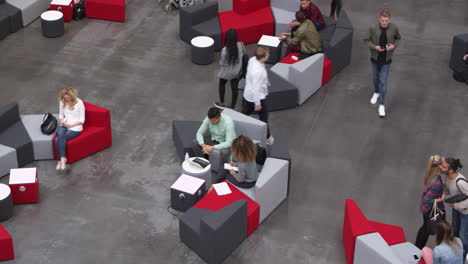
column 63, row 165
column 270, row 140
column 381, row 110
column 374, row 98
column 59, row 166
column 219, row 105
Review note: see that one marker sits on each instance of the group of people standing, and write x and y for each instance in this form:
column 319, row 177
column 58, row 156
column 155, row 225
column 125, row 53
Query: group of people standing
column 442, row 183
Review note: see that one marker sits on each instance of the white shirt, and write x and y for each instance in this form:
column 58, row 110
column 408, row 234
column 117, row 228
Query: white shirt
column 72, row 116
column 256, row 82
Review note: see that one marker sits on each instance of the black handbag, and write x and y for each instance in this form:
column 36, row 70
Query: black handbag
column 245, row 61
column 435, row 216
column 457, row 197
column 49, row 124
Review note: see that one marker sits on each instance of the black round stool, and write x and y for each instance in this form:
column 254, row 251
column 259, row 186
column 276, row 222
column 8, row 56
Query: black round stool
column 6, row 203
column 52, row 24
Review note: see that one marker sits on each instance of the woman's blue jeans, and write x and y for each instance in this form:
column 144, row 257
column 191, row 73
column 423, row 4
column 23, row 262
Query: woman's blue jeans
column 63, row 135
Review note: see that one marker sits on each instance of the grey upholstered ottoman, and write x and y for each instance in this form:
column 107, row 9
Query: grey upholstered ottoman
column 459, row 48
column 281, row 93
column 214, row 235
column 7, row 159
column 42, row 144
column 52, row 24
column 4, row 24
column 30, row 9
column 183, row 133
column 202, row 50
column 6, row 203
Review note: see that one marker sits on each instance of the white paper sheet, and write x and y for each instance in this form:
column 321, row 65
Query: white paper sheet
column 222, row 188
column 228, row 166
column 271, row 41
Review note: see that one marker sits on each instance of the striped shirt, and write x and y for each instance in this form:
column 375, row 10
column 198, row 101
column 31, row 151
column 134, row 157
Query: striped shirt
column 433, row 191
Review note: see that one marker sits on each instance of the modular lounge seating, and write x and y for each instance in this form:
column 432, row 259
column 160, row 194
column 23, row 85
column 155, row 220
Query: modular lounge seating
column 284, row 11
column 96, row 134
column 113, row 10
column 30, row 9
column 10, row 19
column 373, row 242
column 459, row 49
column 214, row 234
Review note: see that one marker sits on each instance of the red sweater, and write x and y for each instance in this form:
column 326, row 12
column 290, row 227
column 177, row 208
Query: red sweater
column 313, row 14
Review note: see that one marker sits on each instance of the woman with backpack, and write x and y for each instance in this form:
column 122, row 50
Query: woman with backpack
column 231, row 66
column 433, row 192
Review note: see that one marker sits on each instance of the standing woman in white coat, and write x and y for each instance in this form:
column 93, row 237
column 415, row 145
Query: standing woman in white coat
column 71, row 120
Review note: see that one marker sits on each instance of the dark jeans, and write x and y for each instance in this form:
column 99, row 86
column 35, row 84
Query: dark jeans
column 460, row 228
column 424, row 231
column 335, row 5
column 245, row 185
column 63, row 135
column 248, row 108
column 234, row 90
column 380, row 75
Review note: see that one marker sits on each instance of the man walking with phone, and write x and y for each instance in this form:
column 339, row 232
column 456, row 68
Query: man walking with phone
column 382, row 40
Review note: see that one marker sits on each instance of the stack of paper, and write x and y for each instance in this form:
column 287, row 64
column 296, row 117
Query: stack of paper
column 222, row 188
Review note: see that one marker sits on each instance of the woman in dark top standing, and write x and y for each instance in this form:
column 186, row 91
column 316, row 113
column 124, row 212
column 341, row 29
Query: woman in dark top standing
column 433, row 191
column 231, row 64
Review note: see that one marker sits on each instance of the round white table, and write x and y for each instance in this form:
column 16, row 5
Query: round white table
column 202, row 50
column 6, row 203
column 52, row 24
column 195, row 171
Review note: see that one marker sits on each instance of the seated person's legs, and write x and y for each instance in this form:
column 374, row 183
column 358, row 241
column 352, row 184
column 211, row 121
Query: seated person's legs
column 244, row 185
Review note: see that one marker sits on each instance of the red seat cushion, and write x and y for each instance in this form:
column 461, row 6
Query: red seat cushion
column 6, row 245
column 250, row 27
column 214, row 202
column 249, row 6
column 355, row 224
column 391, row 234
column 289, row 60
column 327, row 70
column 113, row 10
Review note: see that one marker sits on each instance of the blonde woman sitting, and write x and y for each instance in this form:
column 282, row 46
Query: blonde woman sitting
column 244, row 153
column 71, row 120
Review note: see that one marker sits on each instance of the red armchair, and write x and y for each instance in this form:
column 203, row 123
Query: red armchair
column 96, row 134
column 251, row 19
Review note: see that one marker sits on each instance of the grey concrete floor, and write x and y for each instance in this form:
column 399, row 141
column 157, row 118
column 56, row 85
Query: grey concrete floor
column 111, row 207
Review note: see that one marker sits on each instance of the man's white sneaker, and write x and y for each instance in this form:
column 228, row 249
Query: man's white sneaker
column 59, row 166
column 270, row 140
column 381, row 110
column 374, row 98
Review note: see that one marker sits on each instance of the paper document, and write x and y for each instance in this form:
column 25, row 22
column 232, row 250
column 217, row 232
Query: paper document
column 269, row 41
column 222, row 188
column 228, row 166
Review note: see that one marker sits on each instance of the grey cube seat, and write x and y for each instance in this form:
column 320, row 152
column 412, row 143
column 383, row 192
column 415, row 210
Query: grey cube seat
column 13, row 134
column 4, row 23
column 280, row 150
column 214, row 235
column 200, row 20
column 42, row 144
column 281, row 93
column 183, row 133
column 326, row 34
column 283, row 12
column 459, row 48
column 14, row 13
column 339, row 49
column 248, row 126
column 30, row 9
column 8, row 160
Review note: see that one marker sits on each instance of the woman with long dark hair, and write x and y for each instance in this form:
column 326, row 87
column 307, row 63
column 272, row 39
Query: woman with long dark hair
column 231, row 65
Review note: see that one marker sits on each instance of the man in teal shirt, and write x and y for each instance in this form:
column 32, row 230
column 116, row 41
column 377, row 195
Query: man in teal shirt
column 214, row 138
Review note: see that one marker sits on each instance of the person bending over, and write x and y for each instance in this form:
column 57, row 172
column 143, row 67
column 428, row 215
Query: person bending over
column 305, row 40
column 71, row 120
column 312, row 13
column 215, row 133
column 231, row 65
column 244, row 153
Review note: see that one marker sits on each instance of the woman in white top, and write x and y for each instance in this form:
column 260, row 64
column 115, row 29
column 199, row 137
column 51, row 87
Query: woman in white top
column 71, row 120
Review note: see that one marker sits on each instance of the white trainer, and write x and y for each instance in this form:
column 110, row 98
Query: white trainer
column 59, row 166
column 374, row 98
column 381, row 110
column 270, row 140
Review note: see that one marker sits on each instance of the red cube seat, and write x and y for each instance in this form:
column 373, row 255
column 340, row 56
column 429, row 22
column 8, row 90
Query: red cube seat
column 214, row 202
column 96, row 134
column 113, row 10
column 251, row 19
column 7, row 251
column 327, row 70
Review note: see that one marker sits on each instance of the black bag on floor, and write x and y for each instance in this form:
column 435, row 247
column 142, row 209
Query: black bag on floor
column 80, row 11
column 261, row 154
column 49, row 124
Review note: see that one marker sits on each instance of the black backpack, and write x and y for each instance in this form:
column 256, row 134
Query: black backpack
column 261, row 154
column 49, row 124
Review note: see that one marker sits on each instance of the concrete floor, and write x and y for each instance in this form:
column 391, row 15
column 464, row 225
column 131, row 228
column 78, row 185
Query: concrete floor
column 112, row 207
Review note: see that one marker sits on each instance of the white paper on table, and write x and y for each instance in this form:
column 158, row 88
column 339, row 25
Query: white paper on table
column 222, row 188
column 271, row 41
column 228, row 166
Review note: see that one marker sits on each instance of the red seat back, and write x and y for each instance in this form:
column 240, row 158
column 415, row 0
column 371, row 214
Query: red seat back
column 96, row 116
column 249, row 6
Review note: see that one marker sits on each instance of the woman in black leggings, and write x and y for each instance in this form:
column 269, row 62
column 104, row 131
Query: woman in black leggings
column 335, row 5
